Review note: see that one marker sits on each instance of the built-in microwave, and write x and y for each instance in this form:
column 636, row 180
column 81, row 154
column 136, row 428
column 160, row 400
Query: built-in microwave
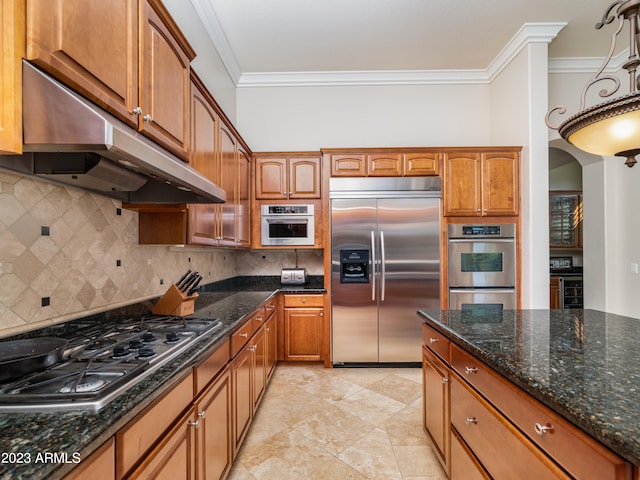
column 283, row 225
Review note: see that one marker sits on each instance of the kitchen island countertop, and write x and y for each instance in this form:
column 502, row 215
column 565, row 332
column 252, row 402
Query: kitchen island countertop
column 26, row 437
column 583, row 364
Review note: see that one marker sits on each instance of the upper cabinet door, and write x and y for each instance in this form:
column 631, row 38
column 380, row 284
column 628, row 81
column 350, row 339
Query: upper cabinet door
column 462, row 184
column 202, row 227
column 165, row 81
column 501, row 189
column 421, row 164
column 385, row 165
column 304, row 177
column 91, row 46
column 11, row 41
column 271, row 178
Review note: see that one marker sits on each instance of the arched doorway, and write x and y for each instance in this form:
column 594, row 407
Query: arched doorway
column 565, row 230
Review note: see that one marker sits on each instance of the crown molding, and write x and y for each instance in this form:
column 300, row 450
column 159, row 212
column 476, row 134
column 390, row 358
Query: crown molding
column 528, row 33
column 587, row 64
column 211, row 24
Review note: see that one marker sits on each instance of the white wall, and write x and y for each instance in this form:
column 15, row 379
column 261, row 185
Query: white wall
column 207, row 64
column 518, row 106
column 611, row 224
column 315, row 117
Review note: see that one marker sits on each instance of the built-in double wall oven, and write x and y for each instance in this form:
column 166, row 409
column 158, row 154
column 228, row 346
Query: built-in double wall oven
column 482, row 266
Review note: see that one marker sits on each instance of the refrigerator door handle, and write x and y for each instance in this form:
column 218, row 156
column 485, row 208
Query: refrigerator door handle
column 373, row 266
column 382, row 267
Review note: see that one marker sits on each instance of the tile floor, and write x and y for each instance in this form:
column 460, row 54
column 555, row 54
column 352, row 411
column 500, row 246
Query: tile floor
column 343, row 423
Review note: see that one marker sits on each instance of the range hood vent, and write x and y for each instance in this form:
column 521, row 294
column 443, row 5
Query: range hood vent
column 69, row 141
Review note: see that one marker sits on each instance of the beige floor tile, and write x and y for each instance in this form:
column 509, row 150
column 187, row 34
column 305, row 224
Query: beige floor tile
column 370, row 406
column 339, row 424
column 399, row 388
column 334, row 429
column 418, row 461
column 373, row 456
column 405, row 428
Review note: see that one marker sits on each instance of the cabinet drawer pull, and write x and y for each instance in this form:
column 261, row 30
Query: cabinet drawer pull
column 252, row 348
column 244, row 335
column 258, row 319
column 471, row 420
column 147, row 118
column 137, row 111
column 470, row 370
column 195, row 424
column 542, row 429
column 202, row 414
column 304, row 300
column 434, row 340
column 445, row 380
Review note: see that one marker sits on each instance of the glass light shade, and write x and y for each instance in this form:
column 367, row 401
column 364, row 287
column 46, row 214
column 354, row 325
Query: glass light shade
column 609, row 128
column 609, row 136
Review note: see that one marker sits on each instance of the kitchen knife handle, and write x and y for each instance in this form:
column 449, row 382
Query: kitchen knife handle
column 183, row 278
column 373, row 266
column 383, row 267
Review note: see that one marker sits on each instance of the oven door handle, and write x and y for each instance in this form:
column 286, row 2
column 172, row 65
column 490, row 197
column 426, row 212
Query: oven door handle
column 481, row 240
column 373, row 266
column 287, row 220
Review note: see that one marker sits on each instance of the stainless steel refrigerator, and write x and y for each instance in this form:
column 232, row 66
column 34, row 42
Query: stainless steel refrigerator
column 385, row 265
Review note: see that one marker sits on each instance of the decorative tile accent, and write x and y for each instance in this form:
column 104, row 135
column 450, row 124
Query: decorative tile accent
column 76, row 264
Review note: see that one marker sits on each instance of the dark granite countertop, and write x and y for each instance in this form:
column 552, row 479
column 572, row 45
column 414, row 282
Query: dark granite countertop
column 25, row 435
column 583, row 364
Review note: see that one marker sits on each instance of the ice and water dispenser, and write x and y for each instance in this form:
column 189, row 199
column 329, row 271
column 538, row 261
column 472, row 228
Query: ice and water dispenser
column 354, row 266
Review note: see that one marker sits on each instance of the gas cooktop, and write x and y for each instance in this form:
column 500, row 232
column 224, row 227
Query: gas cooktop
column 101, row 361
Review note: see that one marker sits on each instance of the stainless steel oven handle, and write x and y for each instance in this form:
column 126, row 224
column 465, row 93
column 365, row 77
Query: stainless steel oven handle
column 373, row 266
column 286, row 221
column 482, row 290
column 383, row 267
column 481, row 240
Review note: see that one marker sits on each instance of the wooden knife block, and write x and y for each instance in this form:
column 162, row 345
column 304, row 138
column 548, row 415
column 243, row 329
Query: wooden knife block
column 176, row 303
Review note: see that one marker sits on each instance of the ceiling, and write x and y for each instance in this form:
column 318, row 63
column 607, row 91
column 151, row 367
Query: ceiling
column 373, row 37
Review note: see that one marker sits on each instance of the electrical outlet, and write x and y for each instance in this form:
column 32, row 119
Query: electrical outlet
column 634, row 268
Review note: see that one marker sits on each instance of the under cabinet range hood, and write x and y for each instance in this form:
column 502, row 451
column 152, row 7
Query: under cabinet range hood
column 69, row 141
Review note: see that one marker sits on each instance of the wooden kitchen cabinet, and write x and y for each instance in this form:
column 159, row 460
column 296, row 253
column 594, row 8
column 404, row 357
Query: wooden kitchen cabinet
column 203, row 225
column 464, row 465
column 249, row 347
column 100, row 465
column 481, row 183
column 286, row 177
column 214, row 431
column 503, row 451
column 554, row 293
column 174, row 457
column 435, row 395
column 303, row 327
column 11, row 50
column 507, row 416
column 134, row 441
column 127, row 56
column 383, row 163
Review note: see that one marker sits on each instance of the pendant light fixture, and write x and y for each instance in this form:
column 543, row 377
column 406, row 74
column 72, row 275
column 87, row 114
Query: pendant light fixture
column 611, row 128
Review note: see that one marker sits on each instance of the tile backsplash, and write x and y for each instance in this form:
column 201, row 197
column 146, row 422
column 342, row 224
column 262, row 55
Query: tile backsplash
column 66, row 253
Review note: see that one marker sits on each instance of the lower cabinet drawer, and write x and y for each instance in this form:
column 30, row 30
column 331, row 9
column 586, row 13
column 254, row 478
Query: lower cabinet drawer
column 464, row 466
column 577, row 453
column 300, row 300
column 501, row 449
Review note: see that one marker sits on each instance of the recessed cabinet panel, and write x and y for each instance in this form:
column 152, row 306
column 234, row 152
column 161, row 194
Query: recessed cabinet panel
column 385, row 165
column 166, row 82
column 92, row 46
column 348, row 166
